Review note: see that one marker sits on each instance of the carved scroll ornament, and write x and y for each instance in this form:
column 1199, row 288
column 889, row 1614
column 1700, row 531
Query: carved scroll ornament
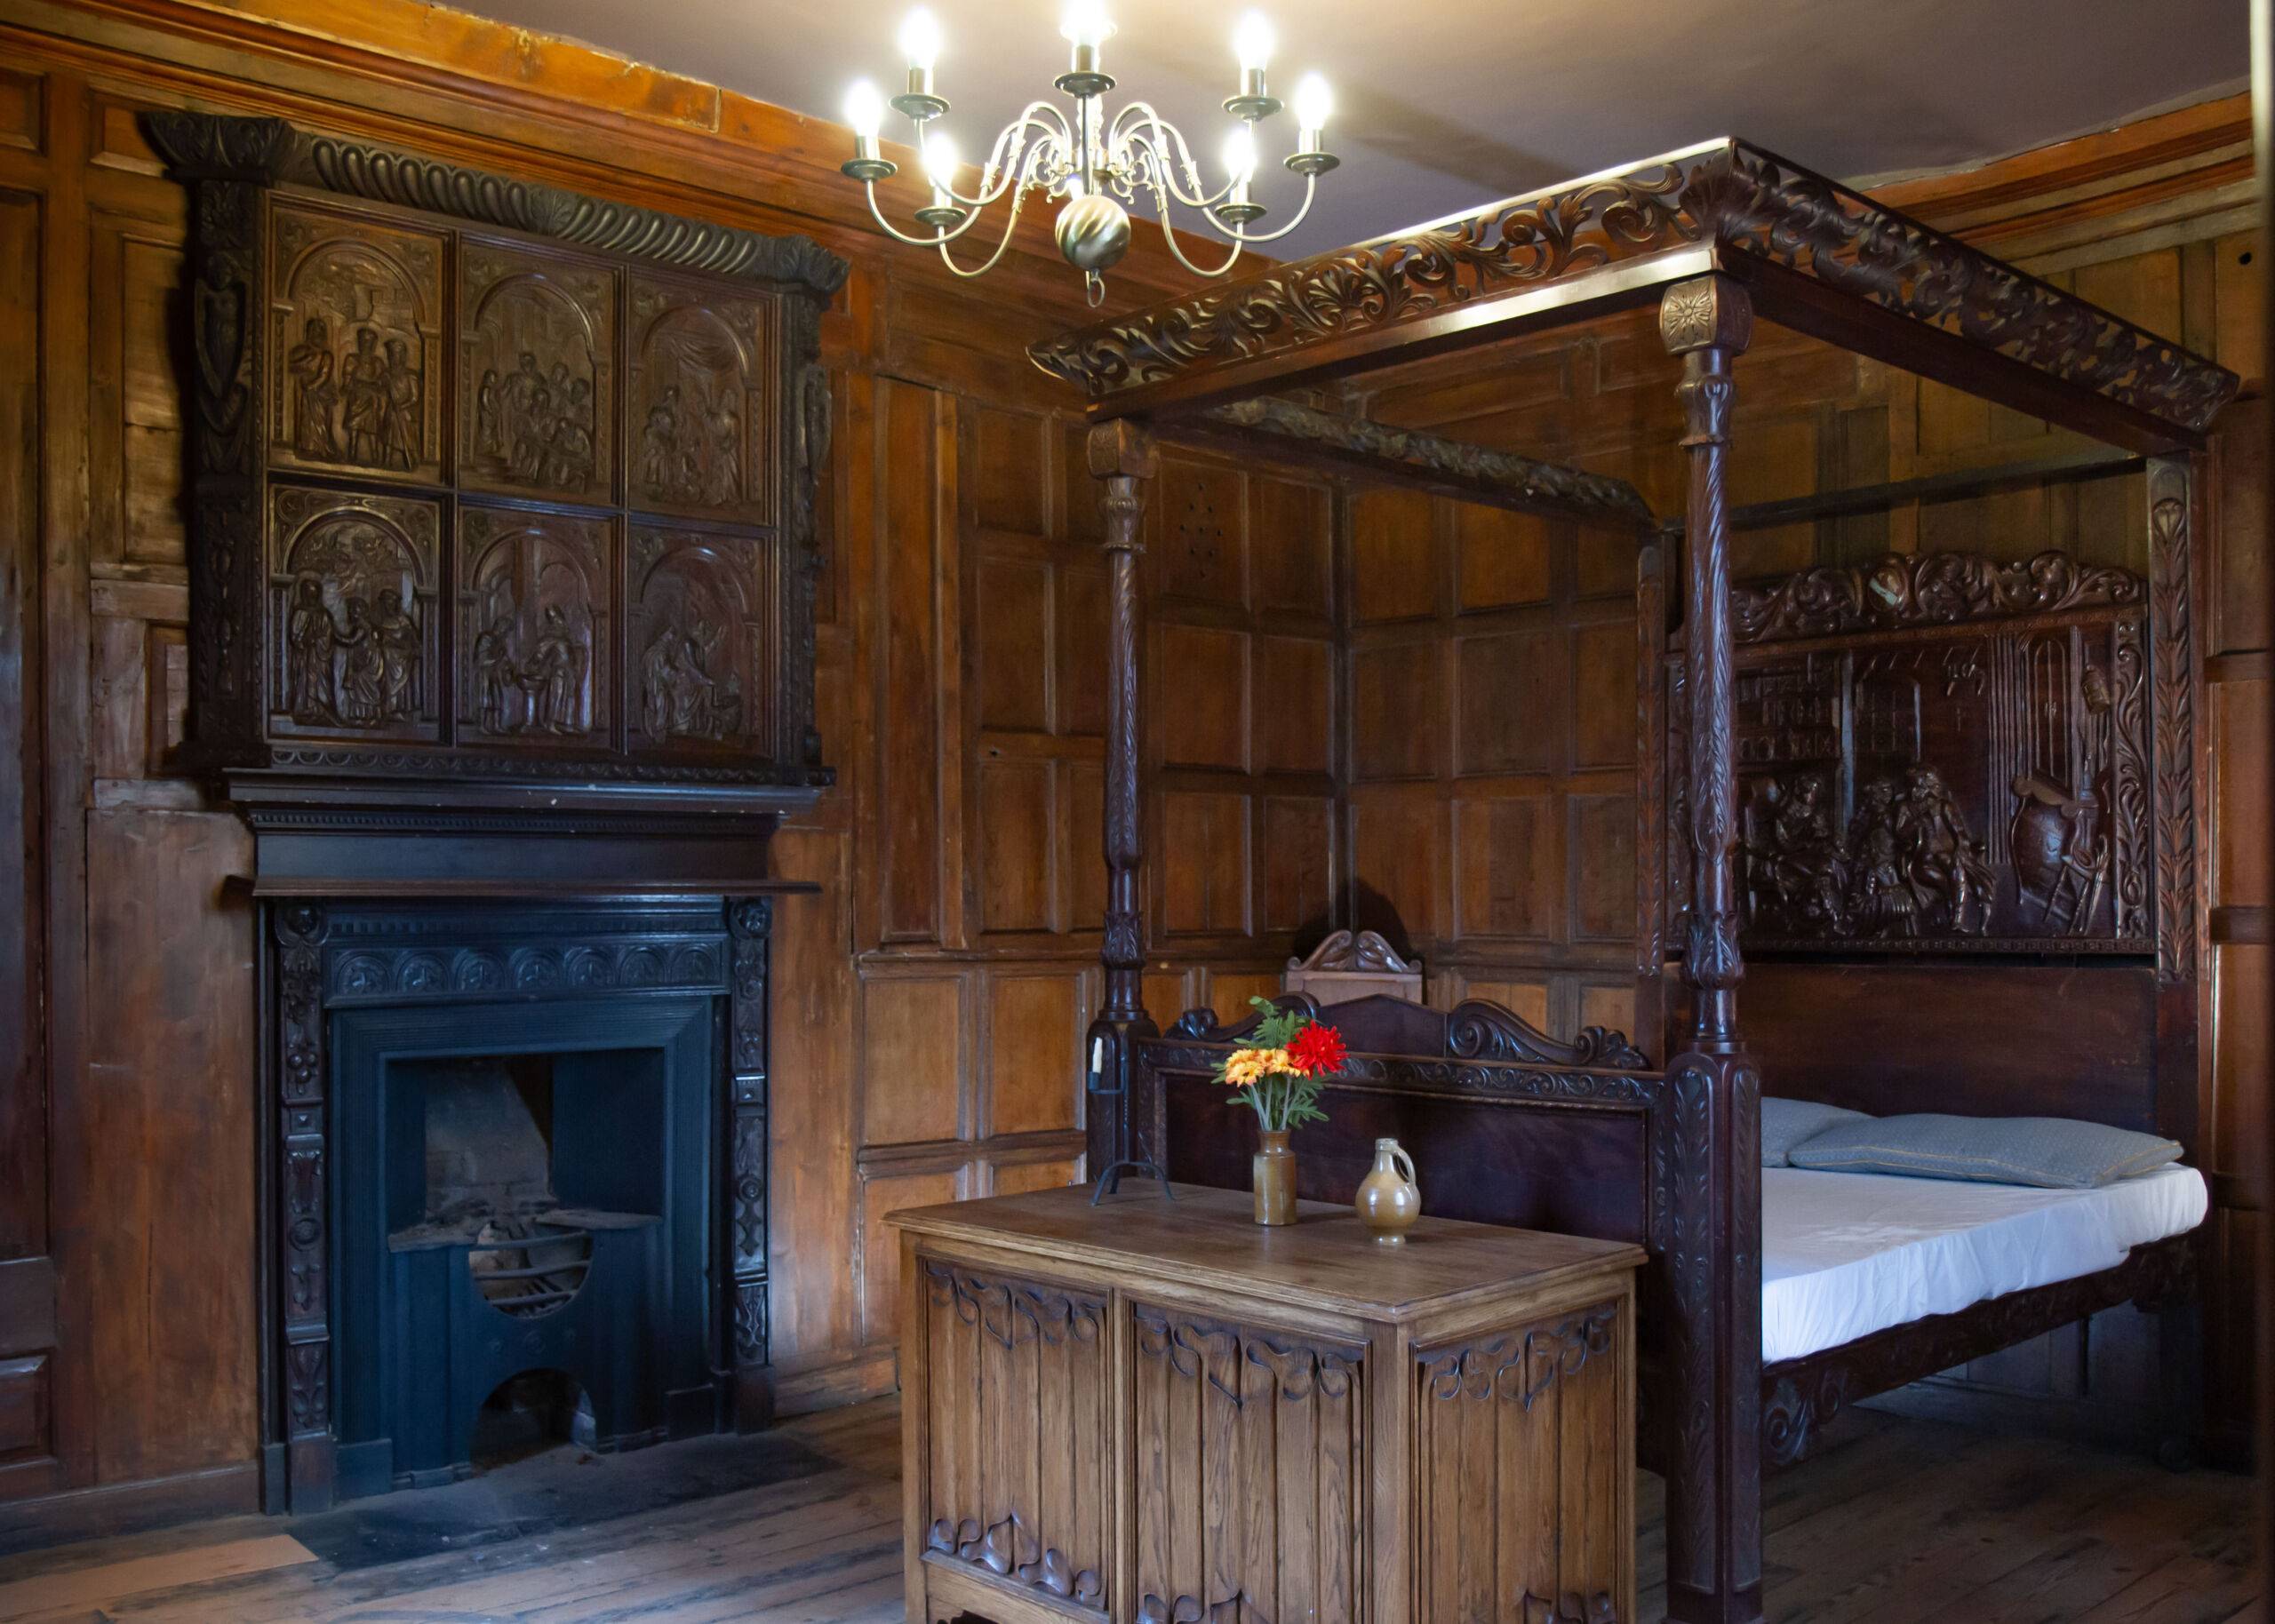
column 1924, row 589
column 1732, row 200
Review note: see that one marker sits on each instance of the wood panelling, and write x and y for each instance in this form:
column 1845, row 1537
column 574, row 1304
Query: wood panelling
column 930, row 998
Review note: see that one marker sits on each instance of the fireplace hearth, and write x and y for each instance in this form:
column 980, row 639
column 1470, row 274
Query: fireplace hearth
column 524, row 1153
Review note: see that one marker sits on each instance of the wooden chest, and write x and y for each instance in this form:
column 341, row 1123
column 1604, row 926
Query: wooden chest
column 1149, row 1412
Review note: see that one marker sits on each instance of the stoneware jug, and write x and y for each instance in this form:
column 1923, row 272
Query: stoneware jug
column 1389, row 1199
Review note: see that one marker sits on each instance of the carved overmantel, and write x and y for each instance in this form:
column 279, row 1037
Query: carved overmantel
column 503, row 505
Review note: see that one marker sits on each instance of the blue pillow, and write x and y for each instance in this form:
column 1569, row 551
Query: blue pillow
column 1785, row 1123
column 2044, row 1152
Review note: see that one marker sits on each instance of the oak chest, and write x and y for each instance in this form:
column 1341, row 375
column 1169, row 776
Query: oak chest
column 1151, row 1411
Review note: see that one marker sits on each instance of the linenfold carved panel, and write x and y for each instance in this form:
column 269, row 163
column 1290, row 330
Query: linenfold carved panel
column 537, row 373
column 351, row 585
column 356, row 317
column 1019, row 1397
column 1504, row 1405
column 1945, row 753
column 1250, row 1474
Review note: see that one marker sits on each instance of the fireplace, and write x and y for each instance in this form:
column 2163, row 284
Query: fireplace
column 525, row 1138
column 512, row 734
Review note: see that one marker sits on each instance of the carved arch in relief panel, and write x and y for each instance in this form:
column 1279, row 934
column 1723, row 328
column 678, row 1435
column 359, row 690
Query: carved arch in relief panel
column 537, row 410
column 701, row 403
column 354, row 633
column 701, row 672
column 355, row 345
column 536, row 660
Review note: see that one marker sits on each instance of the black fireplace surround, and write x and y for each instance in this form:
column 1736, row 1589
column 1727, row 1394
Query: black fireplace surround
column 517, row 1136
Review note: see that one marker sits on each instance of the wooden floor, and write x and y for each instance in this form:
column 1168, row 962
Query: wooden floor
column 1902, row 1522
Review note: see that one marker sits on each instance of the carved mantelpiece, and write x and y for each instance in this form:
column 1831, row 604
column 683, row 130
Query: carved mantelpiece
column 503, row 496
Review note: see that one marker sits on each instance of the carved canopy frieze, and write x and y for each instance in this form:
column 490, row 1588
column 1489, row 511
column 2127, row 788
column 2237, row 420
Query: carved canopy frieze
column 1724, row 204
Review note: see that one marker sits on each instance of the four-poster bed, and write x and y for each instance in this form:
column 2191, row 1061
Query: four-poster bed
column 1589, row 1136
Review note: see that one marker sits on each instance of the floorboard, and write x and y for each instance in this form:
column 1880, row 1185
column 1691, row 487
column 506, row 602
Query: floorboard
column 1899, row 1522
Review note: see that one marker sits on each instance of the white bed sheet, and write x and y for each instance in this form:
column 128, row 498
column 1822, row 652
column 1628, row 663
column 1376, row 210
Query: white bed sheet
column 1844, row 1254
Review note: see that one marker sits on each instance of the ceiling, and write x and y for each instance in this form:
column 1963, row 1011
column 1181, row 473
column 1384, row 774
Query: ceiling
column 1444, row 105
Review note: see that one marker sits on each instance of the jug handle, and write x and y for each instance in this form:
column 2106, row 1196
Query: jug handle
column 1406, row 1164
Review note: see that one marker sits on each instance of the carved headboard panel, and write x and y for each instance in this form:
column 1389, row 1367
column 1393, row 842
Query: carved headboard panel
column 1939, row 754
column 1967, row 848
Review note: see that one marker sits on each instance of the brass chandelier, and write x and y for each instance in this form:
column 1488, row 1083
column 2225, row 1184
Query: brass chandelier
column 1093, row 164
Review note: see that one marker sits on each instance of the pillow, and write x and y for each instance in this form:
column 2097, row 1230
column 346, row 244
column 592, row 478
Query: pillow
column 1785, row 1123
column 2044, row 1152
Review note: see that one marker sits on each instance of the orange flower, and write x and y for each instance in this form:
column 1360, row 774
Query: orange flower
column 1246, row 1066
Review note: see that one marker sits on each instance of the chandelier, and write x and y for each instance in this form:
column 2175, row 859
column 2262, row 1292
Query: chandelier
column 1093, row 165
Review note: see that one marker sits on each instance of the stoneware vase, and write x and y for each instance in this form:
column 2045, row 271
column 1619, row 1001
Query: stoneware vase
column 1273, row 1179
column 1390, row 1200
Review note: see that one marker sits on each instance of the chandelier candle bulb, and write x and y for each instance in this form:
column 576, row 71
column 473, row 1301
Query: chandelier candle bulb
column 1253, row 44
column 865, row 111
column 919, row 43
column 1315, row 105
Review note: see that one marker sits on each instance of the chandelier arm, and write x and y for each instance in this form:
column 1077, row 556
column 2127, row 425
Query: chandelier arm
column 1010, row 226
column 1310, row 189
column 1168, row 236
column 937, row 239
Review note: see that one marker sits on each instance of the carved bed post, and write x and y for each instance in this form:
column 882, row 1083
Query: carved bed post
column 1123, row 459
column 1714, row 1456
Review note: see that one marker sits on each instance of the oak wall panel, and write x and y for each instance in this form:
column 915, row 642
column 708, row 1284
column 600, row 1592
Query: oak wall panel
column 914, row 1047
column 1034, row 1030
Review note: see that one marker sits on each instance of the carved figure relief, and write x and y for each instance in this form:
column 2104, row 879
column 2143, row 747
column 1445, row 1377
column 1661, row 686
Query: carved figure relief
column 698, row 672
column 536, row 373
column 353, row 579
column 357, row 331
column 1952, row 757
column 534, row 625
column 699, row 401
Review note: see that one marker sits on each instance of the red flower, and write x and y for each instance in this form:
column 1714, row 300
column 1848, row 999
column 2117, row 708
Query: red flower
column 1317, row 1050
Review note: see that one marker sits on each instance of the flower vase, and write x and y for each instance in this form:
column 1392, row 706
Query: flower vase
column 1273, row 1175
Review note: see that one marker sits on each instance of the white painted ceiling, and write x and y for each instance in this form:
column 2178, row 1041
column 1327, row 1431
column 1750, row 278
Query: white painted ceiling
column 1445, row 104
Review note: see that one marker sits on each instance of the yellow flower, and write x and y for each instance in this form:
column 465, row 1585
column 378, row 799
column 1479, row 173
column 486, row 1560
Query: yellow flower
column 1245, row 1066
column 1276, row 1060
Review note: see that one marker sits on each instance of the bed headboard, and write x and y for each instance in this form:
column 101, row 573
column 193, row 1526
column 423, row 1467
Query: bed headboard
column 1966, row 860
column 1505, row 1124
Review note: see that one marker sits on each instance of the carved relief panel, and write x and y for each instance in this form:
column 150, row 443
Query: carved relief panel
column 1944, row 753
column 701, row 662
column 604, row 570
column 534, row 651
column 702, row 401
column 537, row 373
column 352, row 583
column 356, row 340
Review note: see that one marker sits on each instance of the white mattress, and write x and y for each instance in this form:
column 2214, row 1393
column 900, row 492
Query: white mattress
column 1844, row 1254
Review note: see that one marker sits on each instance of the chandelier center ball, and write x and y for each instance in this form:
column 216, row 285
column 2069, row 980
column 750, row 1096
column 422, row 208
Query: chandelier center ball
column 1093, row 232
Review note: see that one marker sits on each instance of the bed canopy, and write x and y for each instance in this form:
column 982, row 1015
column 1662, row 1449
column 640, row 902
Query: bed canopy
column 1714, row 237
